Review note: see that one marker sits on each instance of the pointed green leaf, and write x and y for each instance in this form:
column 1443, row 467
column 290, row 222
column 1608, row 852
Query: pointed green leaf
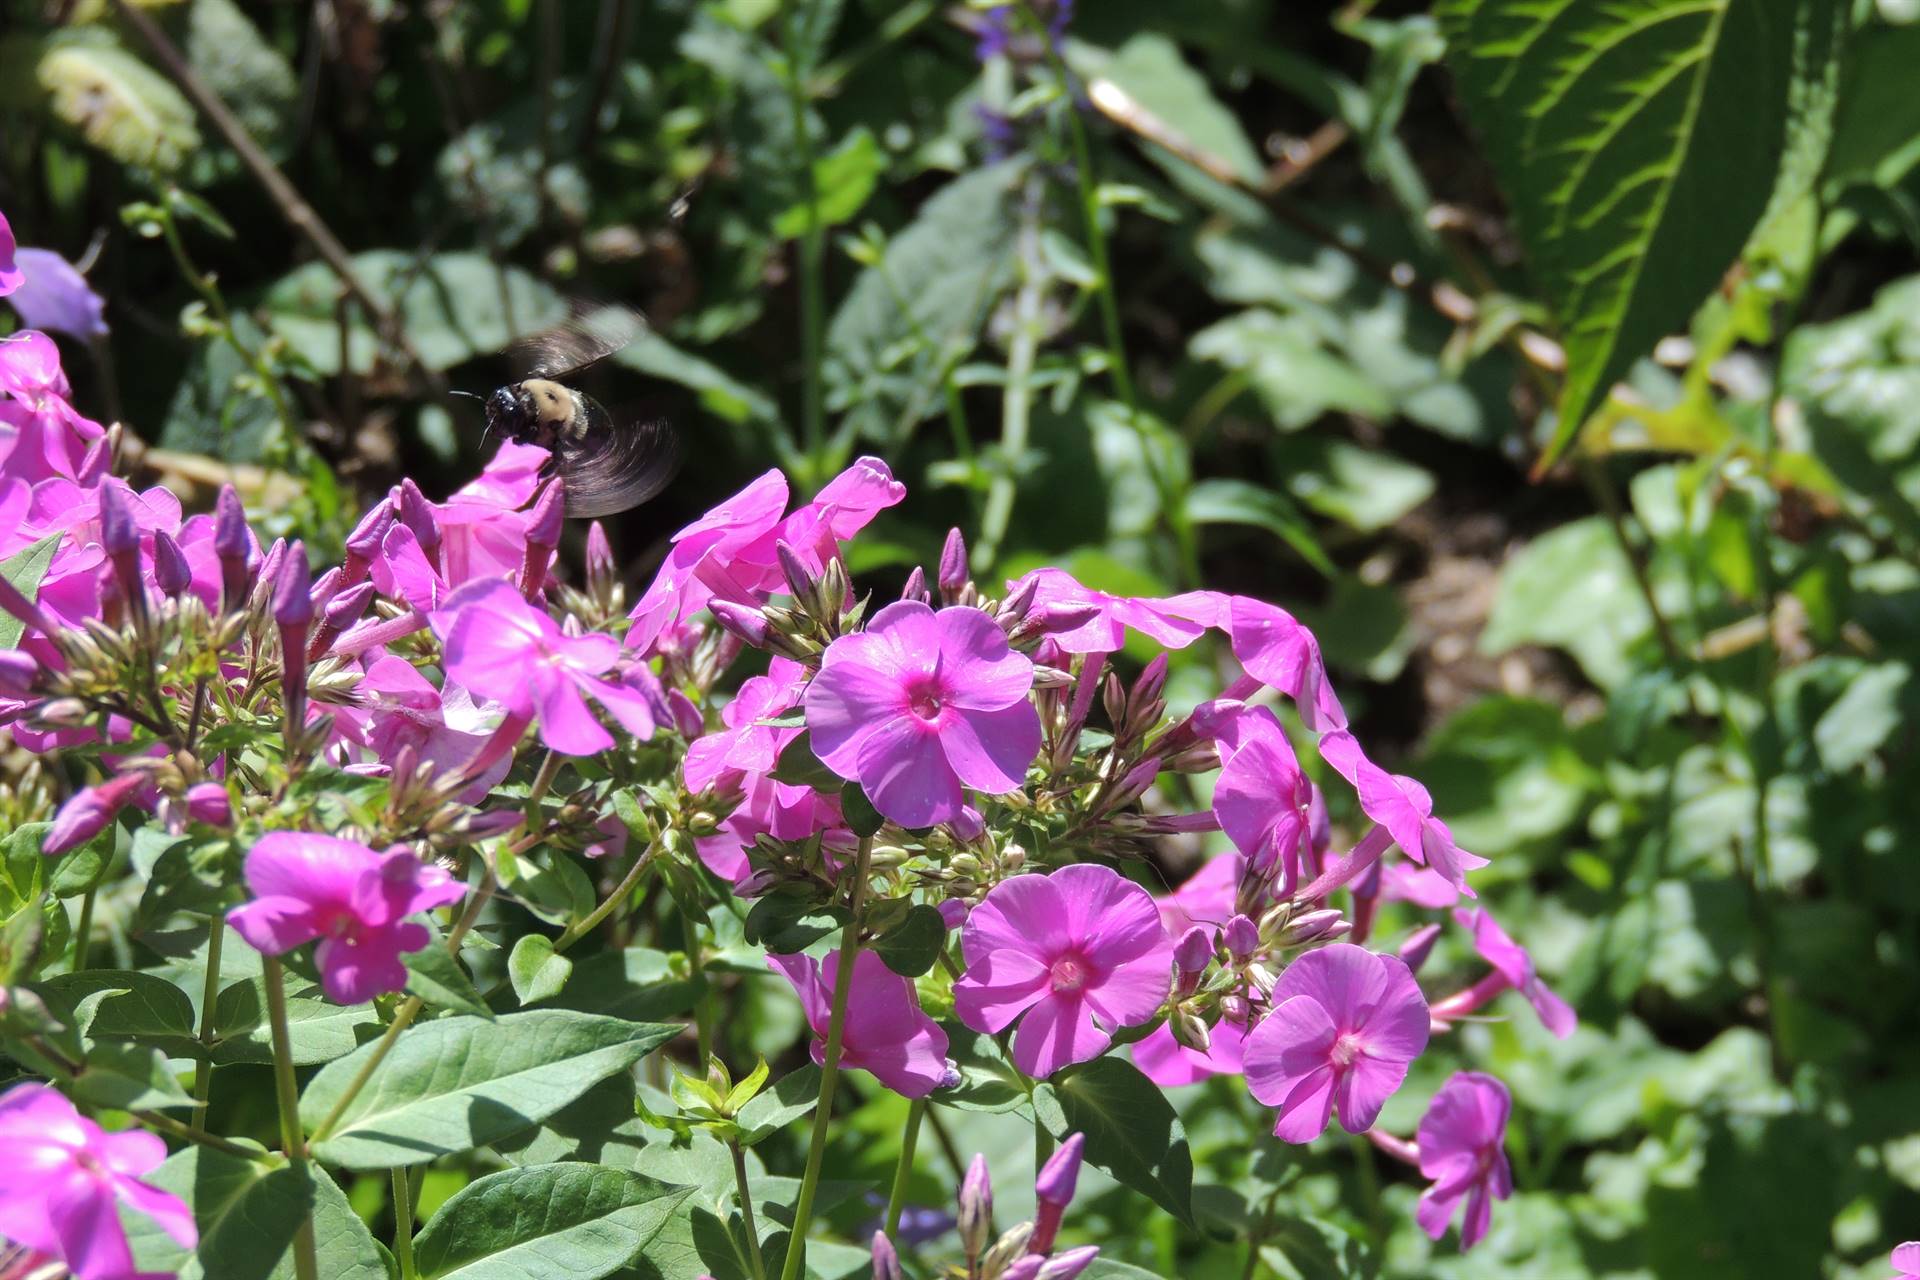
column 576, row 1220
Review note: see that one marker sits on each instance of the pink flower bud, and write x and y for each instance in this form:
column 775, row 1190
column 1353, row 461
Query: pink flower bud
column 1066, row 1266
column 600, row 566
column 953, row 565
column 1194, row 952
column 1317, row 926
column 364, row 542
column 976, row 1206
column 800, row 581
column 1242, row 937
column 548, row 515
column 954, row 912
column 417, row 514
column 1418, row 946
column 209, row 804
column 1060, row 1174
column 119, row 530
column 19, row 672
column 349, row 606
column 1063, row 616
column 293, row 589
column 171, row 572
column 687, row 719
column 94, row 464
column 886, row 1262
column 1015, row 606
column 267, row 575
column 24, row 609
column 88, row 813
column 230, row 537
column 744, row 621
column 916, row 588
column 1025, row 1267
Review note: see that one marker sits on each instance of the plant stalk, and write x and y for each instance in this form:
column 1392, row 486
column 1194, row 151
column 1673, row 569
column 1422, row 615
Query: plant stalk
column 403, row 1222
column 305, row 1264
column 745, row 1192
column 897, row 1197
column 581, row 929
column 209, row 999
column 83, row 931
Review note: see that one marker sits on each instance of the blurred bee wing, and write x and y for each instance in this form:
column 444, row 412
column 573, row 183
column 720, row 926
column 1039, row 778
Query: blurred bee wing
column 571, row 348
column 619, row 464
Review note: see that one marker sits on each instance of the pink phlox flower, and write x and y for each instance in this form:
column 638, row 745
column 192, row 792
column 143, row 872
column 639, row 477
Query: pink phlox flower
column 885, row 1033
column 1263, row 800
column 1463, row 1149
column 1205, row 897
column 63, row 1180
column 747, row 745
column 921, row 703
column 769, row 808
column 1168, row 622
column 11, row 277
column 700, row 554
column 1279, row 651
column 500, row 647
column 1515, row 965
column 1073, row 955
column 507, row 483
column 403, row 571
column 1170, row 1064
column 396, row 707
column 1345, row 1025
column 1906, row 1260
column 42, row 435
column 54, row 296
column 815, row 530
column 483, row 529
column 1404, row 808
column 1422, row 886
column 351, row 898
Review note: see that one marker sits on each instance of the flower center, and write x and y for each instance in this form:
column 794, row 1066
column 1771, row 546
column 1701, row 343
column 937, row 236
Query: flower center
column 923, row 698
column 1346, row 1051
column 1069, row 974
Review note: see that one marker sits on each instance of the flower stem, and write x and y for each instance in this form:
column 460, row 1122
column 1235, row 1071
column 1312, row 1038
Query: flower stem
column 83, row 932
column 209, row 999
column 703, row 1003
column 580, row 930
column 897, row 1198
column 745, row 1193
column 403, row 1222
column 829, row 1065
column 305, row 1265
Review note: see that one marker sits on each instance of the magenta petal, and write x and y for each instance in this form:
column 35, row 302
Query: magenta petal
column 1057, row 1032
column 1290, row 1043
column 846, row 703
column 86, row 1223
column 983, row 673
column 566, row 723
column 274, row 926
column 305, row 866
column 991, row 750
column 906, row 774
column 913, row 1067
column 1112, row 919
column 998, row 987
column 804, row 973
column 1306, row 1108
column 629, row 706
column 1026, row 914
column 166, row 1209
column 1364, row 1088
column 1133, row 993
column 353, row 970
column 1435, row 1211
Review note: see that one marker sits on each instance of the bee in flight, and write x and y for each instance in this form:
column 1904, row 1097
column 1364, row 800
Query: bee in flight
column 610, row 461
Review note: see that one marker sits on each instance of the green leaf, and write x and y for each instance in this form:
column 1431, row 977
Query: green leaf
column 251, row 76
column 117, row 102
column 912, row 947
column 148, row 1009
column 1130, row 1127
column 638, row 984
column 128, row 1077
column 1862, row 719
column 23, row 876
column 845, row 178
column 318, row 1030
column 1638, row 146
column 988, row 1081
column 436, row 977
column 1365, row 489
column 81, row 870
column 1150, row 70
column 862, row 818
column 767, row 1113
column 798, row 766
column 535, row 971
column 25, row 569
column 460, row 1082
column 1222, row 501
column 246, row 1212
column 576, row 1220
column 1572, row 588
column 785, row 923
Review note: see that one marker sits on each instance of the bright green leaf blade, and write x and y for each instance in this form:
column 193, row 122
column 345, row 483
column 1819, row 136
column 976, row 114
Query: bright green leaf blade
column 573, row 1219
column 117, row 102
column 1222, row 501
column 461, row 1082
column 797, row 1093
column 317, row 1029
column 436, row 977
column 149, row 1009
column 1639, row 144
column 25, row 569
column 535, row 971
column 1131, row 1129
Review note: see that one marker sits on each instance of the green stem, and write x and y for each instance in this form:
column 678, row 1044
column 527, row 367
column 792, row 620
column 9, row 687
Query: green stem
column 403, row 1222
column 305, row 1264
column 83, row 932
column 167, row 1126
column 897, row 1198
column 703, row 1004
column 209, row 1000
column 829, row 1066
column 812, row 252
column 580, row 930
column 745, row 1192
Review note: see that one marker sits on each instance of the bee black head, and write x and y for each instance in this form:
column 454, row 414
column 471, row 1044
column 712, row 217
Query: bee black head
column 510, row 412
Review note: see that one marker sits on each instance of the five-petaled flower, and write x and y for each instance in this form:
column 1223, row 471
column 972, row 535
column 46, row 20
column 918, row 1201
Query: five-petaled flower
column 921, row 703
column 351, row 898
column 1345, row 1025
column 1079, row 952
column 1462, row 1148
column 63, row 1179
column 885, row 1031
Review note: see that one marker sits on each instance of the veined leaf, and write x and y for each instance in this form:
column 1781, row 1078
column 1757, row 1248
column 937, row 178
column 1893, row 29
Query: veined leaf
column 25, row 569
column 117, row 102
column 1639, row 144
column 571, row 1219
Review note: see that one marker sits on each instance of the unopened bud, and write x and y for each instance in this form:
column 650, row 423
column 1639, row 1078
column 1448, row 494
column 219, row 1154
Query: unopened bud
column 19, row 673
column 119, row 529
column 1014, row 608
column 1194, row 952
column 1242, row 937
column 549, row 514
column 1418, row 946
column 1235, row 1009
column 349, row 606
column 1190, row 1031
column 800, row 579
column 208, row 803
column 916, row 588
column 886, row 1262
column 171, row 572
column 1061, row 1173
column 1135, row 784
column 1152, row 681
column 744, row 621
column 687, row 719
column 293, row 589
column 1026, row 1267
column 363, row 544
column 600, row 567
column 24, row 609
column 1059, row 618
column 1068, row 1264
column 976, row 1207
column 1315, row 926
column 418, row 515
column 953, row 566
column 60, row 713
column 1011, row 1244
column 1113, row 696
column 233, row 543
column 88, row 813
column 94, row 463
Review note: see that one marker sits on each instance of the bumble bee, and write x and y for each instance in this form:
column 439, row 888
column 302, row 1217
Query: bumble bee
column 610, row 461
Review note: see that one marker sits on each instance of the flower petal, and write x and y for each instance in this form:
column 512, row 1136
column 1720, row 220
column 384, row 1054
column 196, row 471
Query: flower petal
column 998, row 987
column 1057, row 1032
column 906, row 775
column 991, row 750
column 985, row 674
column 1290, row 1043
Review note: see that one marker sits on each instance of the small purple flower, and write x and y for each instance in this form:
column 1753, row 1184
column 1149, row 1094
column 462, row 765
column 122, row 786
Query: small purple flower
column 1345, row 1025
column 1463, row 1149
column 1515, row 965
column 920, row 704
column 10, row 277
column 54, row 296
column 885, row 1033
column 90, row 811
column 1072, row 955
